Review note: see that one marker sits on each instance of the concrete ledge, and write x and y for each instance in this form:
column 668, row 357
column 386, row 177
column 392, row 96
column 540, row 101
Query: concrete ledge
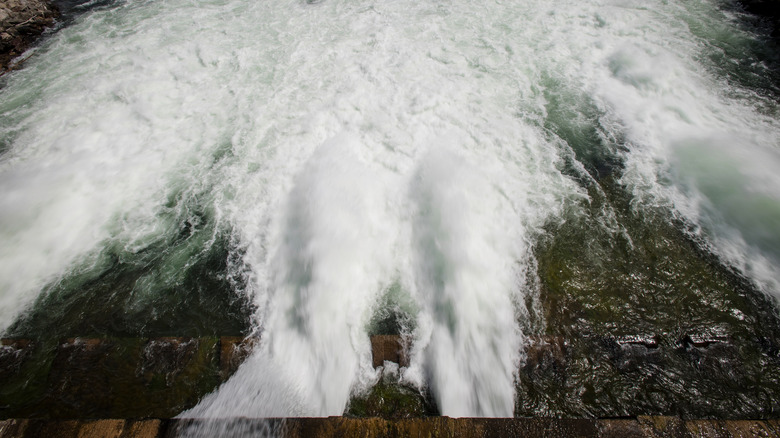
column 640, row 427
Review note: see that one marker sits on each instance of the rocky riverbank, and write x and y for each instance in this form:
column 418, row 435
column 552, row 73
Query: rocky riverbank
column 21, row 23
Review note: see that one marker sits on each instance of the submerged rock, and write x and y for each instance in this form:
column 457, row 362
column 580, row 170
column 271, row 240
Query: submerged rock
column 166, row 357
column 633, row 352
column 545, row 355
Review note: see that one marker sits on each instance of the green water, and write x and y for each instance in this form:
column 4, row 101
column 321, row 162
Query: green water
column 540, row 195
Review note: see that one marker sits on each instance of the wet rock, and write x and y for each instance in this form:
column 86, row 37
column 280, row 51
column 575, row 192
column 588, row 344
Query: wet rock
column 769, row 347
column 142, row 429
column 438, row 427
column 711, row 350
column 166, row 357
column 53, row 429
column 703, row 338
column 379, row 427
column 233, row 350
column 169, row 374
column 620, row 428
column 21, row 23
column 79, row 385
column 111, row 378
column 545, row 356
column 101, row 429
column 392, row 348
column 750, row 428
column 13, row 428
column 662, row 426
column 632, row 352
column 707, row 429
column 13, row 354
column 392, row 399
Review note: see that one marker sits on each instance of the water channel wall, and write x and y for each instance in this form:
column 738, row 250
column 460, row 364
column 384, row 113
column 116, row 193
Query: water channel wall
column 640, row 427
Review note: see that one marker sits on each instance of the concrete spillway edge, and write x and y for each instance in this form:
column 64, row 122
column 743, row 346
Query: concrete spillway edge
column 643, row 426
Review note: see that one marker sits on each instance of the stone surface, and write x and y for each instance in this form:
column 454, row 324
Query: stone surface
column 13, row 354
column 54, row 429
column 105, row 378
column 620, row 428
column 630, row 352
column 166, row 357
column 233, row 350
column 21, row 23
column 391, row 348
column 13, row 428
column 79, row 387
column 662, row 426
column 391, row 399
column 101, row 429
column 142, row 429
column 640, row 427
column 545, row 354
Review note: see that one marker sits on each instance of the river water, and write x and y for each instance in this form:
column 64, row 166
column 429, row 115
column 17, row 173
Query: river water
column 475, row 173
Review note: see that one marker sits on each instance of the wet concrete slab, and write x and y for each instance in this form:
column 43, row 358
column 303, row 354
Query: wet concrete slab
column 79, row 378
column 640, row 427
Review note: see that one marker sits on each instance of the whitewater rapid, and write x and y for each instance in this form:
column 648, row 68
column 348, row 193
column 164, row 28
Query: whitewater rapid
column 352, row 147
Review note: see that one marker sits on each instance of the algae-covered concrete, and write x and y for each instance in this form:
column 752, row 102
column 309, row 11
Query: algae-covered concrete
column 639, row 427
column 113, row 377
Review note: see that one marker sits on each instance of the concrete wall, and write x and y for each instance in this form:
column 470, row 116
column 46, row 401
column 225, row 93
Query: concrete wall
column 644, row 427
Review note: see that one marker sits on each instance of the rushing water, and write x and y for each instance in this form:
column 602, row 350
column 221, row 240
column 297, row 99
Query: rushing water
column 298, row 168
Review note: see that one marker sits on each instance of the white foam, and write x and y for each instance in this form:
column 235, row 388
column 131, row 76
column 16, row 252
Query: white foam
column 352, row 146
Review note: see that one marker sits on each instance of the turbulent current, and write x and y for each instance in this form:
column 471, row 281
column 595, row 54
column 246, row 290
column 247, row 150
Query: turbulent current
column 319, row 166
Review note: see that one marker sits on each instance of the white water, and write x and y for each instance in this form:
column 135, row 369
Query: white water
column 352, row 146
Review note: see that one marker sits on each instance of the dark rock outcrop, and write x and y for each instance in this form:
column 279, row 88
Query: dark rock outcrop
column 21, row 23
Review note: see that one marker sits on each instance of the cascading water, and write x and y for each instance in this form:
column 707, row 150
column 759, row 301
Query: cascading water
column 308, row 157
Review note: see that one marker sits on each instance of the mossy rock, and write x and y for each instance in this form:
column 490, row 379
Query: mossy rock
column 392, row 400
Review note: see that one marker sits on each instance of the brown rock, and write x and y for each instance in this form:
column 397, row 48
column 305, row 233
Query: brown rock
column 13, row 428
column 662, row 426
column 392, row 348
column 620, row 428
column 57, row 429
column 750, row 428
column 21, row 23
column 101, row 429
column 142, row 429
column 233, row 351
column 545, row 355
column 706, row 429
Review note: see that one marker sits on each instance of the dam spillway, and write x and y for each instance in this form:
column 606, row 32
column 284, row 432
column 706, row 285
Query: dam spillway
column 588, row 186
